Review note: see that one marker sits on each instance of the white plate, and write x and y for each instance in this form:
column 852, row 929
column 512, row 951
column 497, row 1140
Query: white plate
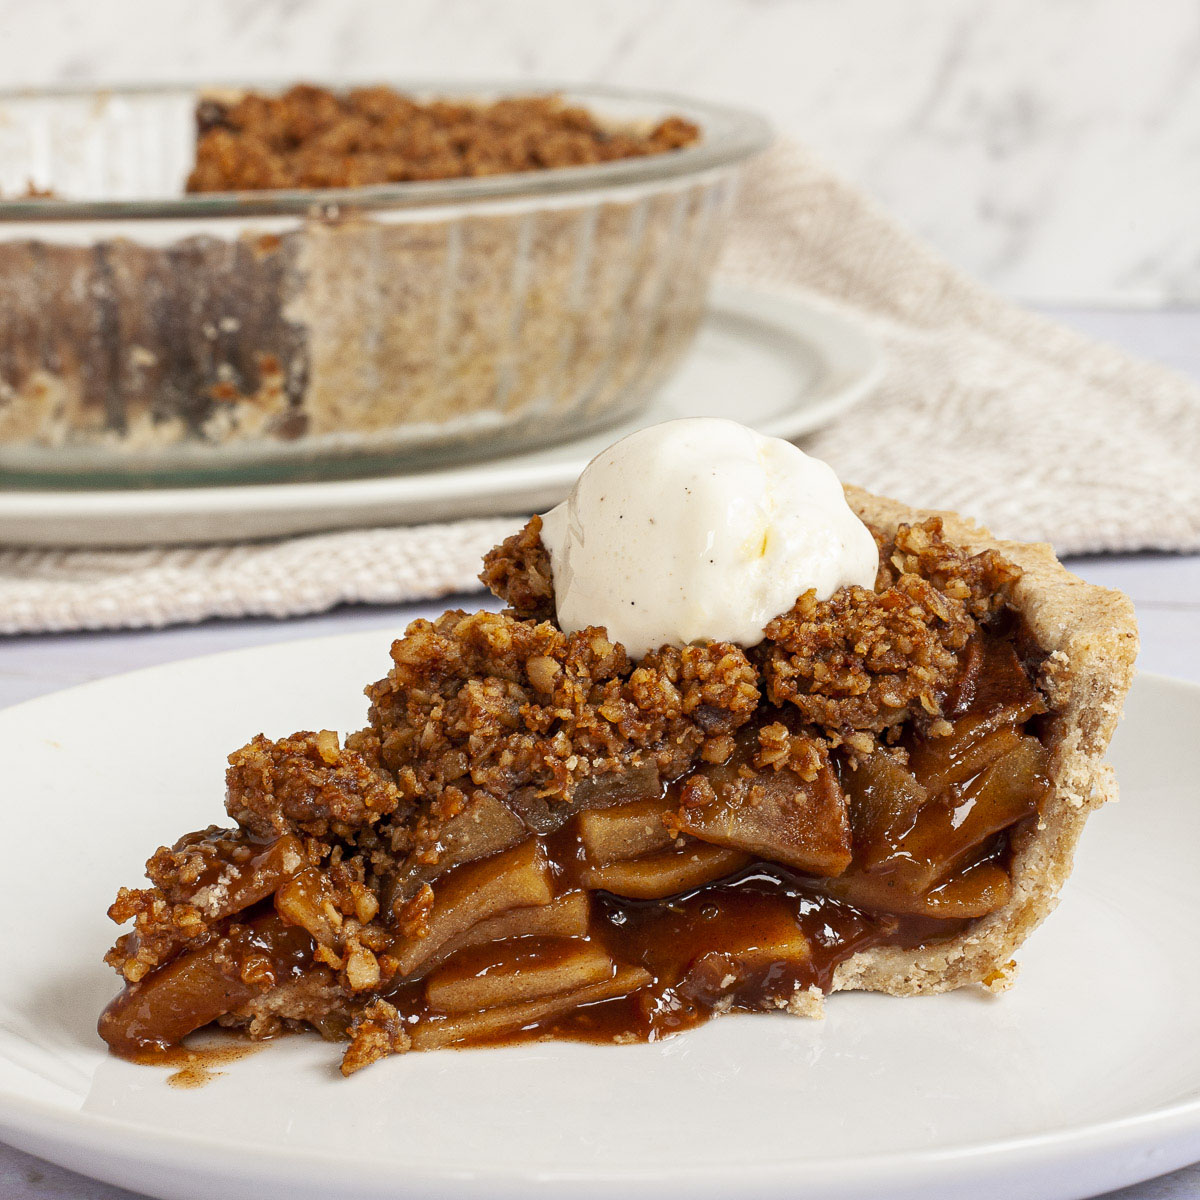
column 778, row 363
column 1085, row 1077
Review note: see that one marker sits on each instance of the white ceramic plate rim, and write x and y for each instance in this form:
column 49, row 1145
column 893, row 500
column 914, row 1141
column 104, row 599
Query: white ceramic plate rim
column 852, row 358
column 898, row 1175
column 903, row 1173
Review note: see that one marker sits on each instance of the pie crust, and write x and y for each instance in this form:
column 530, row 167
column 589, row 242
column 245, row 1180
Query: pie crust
column 1090, row 635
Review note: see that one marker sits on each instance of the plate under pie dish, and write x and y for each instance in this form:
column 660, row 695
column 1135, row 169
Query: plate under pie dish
column 777, row 361
column 535, row 836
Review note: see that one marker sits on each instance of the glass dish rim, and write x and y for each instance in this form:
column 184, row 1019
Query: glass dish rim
column 732, row 134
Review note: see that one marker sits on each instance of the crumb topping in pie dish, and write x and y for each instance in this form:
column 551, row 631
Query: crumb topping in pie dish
column 538, row 834
column 311, row 137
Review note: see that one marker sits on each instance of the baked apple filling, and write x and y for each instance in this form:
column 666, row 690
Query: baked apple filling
column 537, row 837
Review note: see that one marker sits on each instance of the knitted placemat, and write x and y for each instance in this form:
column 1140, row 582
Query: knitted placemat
column 1001, row 414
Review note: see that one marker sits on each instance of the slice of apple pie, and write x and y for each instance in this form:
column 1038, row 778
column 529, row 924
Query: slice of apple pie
column 546, row 830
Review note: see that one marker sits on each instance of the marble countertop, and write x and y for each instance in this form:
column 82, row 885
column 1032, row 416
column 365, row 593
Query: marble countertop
column 1165, row 590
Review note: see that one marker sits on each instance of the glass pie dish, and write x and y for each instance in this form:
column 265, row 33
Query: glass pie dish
column 148, row 335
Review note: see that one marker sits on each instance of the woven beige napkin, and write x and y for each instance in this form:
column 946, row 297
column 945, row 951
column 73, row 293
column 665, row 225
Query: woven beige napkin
column 984, row 408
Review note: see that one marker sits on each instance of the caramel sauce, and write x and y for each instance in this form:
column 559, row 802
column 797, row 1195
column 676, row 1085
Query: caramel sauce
column 195, row 1063
column 679, row 942
column 691, row 945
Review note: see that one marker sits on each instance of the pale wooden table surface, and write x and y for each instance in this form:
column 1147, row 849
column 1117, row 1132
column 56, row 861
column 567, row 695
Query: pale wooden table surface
column 1165, row 589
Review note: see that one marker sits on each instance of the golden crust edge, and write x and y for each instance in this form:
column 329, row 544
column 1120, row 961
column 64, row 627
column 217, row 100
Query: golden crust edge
column 1091, row 635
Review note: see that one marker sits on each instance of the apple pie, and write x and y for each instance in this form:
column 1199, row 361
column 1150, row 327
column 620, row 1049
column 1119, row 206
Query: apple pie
column 535, row 836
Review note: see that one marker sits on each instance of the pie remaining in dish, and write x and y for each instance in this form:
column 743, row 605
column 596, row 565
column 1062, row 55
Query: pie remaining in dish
column 351, row 276
column 535, row 837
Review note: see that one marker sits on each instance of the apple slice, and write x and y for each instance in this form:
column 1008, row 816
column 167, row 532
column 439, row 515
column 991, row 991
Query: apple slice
column 777, row 954
column 976, row 743
column 182, row 996
column 566, row 916
column 228, row 887
column 201, row 985
column 513, row 972
column 547, row 814
column 774, row 815
column 979, row 890
column 484, row 827
column 516, row 878
column 667, row 873
column 615, row 834
column 952, row 827
column 884, row 801
column 433, row 1033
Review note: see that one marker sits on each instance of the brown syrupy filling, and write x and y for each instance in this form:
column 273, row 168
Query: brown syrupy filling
column 619, row 925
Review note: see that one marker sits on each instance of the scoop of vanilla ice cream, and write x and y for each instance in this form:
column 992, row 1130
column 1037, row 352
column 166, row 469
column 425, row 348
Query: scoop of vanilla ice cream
column 700, row 530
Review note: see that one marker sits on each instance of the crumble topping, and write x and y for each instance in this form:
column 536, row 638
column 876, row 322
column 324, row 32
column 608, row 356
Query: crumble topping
column 518, row 572
column 491, row 702
column 865, row 661
column 859, row 663
column 160, row 931
column 307, row 784
column 311, row 137
column 506, row 703
column 376, row 1033
column 981, row 582
column 185, row 903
